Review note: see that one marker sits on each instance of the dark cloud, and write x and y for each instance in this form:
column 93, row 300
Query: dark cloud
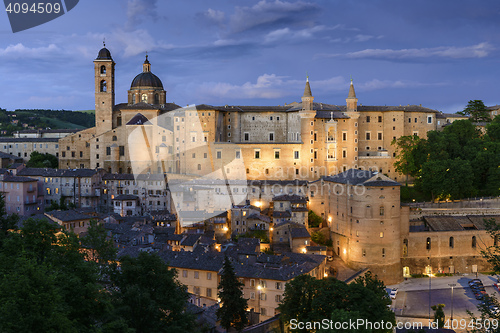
column 139, row 11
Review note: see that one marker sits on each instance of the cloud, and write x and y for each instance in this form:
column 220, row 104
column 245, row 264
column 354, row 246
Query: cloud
column 138, row 41
column 289, row 34
column 269, row 14
column 212, row 16
column 376, row 84
column 140, row 10
column 21, row 51
column 480, row 50
column 267, row 86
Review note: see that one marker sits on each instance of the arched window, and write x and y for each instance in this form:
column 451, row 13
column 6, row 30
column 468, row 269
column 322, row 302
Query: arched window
column 157, row 99
column 115, row 138
column 428, row 243
column 381, row 210
column 383, row 253
column 133, row 99
column 103, row 86
column 144, row 98
column 474, row 241
column 452, row 242
column 103, row 69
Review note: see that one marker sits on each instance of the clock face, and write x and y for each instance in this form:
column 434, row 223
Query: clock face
column 144, row 98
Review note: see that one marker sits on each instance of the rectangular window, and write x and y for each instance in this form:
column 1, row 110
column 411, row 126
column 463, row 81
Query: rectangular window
column 271, row 136
column 379, row 119
column 429, row 119
column 246, row 136
column 367, row 119
column 238, row 154
column 277, row 154
column 379, row 135
column 368, row 135
column 344, row 153
column 257, row 154
column 344, row 136
column 196, row 274
column 122, row 150
column 209, row 292
column 219, row 154
column 296, row 154
column 209, row 276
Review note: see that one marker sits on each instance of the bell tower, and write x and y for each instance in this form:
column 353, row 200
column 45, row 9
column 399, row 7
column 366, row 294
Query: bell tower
column 104, row 73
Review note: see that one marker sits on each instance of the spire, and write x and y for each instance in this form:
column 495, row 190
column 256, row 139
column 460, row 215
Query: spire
column 352, row 93
column 307, row 89
column 146, row 67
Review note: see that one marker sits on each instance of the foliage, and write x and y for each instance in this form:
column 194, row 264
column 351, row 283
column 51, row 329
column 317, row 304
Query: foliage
column 343, row 316
column 261, row 234
column 409, row 193
column 319, row 238
column 476, row 110
column 232, row 313
column 97, row 245
column 447, row 179
column 309, row 299
column 39, row 160
column 59, row 206
column 314, row 220
column 406, row 154
column 493, row 129
column 148, row 296
column 47, row 285
column 439, row 314
column 452, row 164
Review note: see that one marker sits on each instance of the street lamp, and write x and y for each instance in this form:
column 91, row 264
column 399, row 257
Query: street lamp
column 452, row 285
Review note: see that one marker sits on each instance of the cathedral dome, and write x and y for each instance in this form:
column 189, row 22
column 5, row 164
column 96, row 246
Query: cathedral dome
column 146, row 79
column 104, row 54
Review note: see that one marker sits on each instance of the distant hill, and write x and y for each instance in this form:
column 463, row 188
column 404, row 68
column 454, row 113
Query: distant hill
column 20, row 119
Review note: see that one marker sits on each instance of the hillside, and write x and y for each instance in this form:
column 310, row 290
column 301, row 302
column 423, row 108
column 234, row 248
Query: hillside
column 20, row 119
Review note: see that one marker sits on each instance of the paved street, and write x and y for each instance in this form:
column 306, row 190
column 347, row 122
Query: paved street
column 413, row 295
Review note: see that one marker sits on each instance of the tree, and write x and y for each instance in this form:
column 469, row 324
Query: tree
column 448, row 179
column 307, row 299
column 98, row 247
column 493, row 129
column 7, row 222
column 406, row 155
column 314, row 220
column 476, row 110
column 439, row 314
column 38, row 160
column 232, row 312
column 148, row 296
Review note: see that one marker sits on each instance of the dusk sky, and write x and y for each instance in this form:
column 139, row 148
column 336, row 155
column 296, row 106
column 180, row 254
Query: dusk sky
column 436, row 53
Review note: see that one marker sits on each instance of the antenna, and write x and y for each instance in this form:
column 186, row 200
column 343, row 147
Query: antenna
column 104, row 41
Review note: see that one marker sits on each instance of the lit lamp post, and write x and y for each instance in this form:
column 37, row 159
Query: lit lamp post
column 452, row 285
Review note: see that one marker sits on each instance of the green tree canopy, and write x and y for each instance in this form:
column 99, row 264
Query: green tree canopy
column 476, row 110
column 38, row 160
column 308, row 299
column 148, row 296
column 232, row 312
